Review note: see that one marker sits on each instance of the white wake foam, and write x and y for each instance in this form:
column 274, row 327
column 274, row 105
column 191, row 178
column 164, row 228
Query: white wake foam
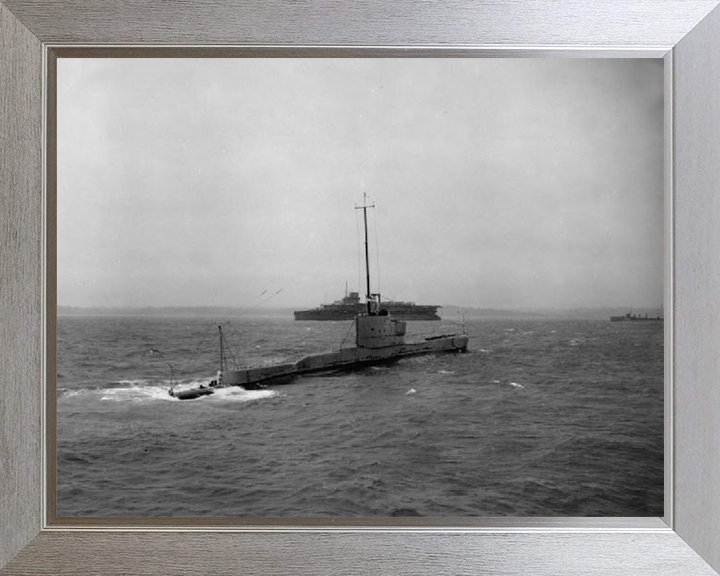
column 136, row 393
column 236, row 394
column 143, row 390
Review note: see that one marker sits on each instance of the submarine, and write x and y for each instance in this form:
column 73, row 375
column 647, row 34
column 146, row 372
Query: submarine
column 379, row 338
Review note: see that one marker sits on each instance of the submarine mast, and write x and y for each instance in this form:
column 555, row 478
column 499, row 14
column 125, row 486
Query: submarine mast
column 368, row 296
column 223, row 360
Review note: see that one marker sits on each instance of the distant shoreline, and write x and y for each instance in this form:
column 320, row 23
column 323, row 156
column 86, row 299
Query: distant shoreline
column 449, row 312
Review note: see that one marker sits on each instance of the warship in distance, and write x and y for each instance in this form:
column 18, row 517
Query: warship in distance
column 350, row 306
column 379, row 338
column 630, row 317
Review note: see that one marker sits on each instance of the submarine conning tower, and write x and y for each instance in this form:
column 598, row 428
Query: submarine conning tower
column 376, row 329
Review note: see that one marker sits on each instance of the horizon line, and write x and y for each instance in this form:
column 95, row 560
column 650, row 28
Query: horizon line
column 290, row 307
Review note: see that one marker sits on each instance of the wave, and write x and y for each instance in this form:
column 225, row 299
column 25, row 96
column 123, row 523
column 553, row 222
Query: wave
column 67, row 393
column 143, row 390
column 513, row 384
column 135, row 393
column 237, row 394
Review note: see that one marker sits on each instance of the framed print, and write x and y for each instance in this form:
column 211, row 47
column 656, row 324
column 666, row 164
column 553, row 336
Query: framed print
column 685, row 540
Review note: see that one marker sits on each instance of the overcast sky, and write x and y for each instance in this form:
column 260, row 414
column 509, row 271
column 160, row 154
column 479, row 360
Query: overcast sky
column 499, row 183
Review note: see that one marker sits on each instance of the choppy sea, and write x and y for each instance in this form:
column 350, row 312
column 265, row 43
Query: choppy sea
column 539, row 418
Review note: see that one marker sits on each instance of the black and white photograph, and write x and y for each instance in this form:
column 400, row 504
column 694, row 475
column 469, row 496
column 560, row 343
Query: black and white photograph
column 360, row 287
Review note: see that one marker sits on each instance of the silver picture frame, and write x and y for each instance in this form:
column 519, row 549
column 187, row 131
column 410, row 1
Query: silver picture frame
column 685, row 541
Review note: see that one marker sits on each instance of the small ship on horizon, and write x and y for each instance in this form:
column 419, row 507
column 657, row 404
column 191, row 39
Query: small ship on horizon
column 630, row 317
column 350, row 306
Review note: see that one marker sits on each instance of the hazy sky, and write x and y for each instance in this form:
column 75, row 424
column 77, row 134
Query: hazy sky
column 498, row 182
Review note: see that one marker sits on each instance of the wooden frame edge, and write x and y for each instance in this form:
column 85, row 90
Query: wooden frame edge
column 20, row 318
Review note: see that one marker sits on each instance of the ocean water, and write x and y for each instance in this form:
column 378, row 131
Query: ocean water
column 539, row 418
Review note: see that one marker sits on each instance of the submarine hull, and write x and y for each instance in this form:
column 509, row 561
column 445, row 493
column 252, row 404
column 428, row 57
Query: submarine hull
column 344, row 359
column 339, row 360
column 191, row 393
